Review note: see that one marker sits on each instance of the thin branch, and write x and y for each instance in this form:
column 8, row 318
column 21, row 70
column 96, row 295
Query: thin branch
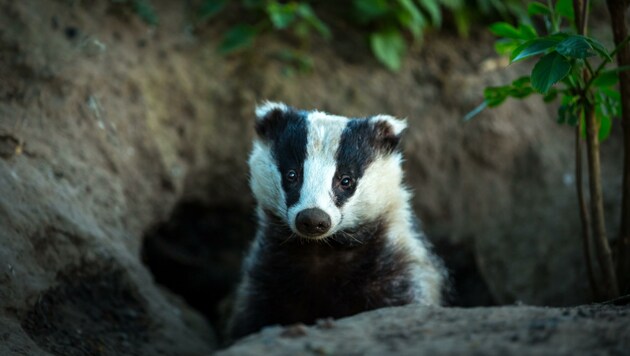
column 586, row 236
column 604, row 257
column 602, row 248
column 612, row 54
column 617, row 10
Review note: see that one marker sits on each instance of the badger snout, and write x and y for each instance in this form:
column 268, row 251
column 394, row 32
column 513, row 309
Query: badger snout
column 312, row 222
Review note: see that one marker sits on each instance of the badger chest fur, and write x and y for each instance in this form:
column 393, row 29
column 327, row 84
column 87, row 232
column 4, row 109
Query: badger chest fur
column 336, row 235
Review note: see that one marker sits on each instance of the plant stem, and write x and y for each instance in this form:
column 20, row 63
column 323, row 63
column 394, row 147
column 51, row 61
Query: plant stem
column 617, row 11
column 609, row 280
column 602, row 248
column 586, row 236
column 579, row 9
column 580, row 24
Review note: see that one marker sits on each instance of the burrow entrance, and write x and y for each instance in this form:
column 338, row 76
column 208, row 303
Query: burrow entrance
column 197, row 254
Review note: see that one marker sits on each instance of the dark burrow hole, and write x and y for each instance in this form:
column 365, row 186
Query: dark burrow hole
column 468, row 287
column 197, row 254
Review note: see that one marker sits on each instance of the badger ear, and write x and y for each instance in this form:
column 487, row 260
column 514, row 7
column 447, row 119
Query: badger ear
column 388, row 131
column 269, row 116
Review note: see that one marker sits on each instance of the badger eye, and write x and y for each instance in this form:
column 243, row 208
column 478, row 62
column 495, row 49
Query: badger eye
column 346, row 182
column 291, row 176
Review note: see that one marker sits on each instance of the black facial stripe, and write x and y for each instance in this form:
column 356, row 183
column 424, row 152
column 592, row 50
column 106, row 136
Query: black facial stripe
column 356, row 151
column 289, row 151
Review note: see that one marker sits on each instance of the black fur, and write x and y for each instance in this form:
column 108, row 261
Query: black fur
column 297, row 280
column 287, row 131
column 361, row 141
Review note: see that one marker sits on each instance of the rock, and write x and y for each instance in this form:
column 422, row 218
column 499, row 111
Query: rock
column 415, row 330
column 86, row 168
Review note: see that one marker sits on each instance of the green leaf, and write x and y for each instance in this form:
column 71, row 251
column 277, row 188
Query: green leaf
column 607, row 104
column 521, row 88
column 253, row 4
column 534, row 47
column 453, row 4
column 463, row 21
column 551, row 95
column 145, row 10
column 522, row 82
column 527, row 32
column 550, row 69
column 599, row 48
column 237, row 38
column 562, row 114
column 575, row 46
column 281, row 15
column 411, row 17
column 494, row 96
column 210, row 8
column 504, row 29
column 389, row 47
column 606, row 78
column 536, row 8
column 568, row 112
column 433, row 8
column 505, row 46
column 368, row 10
column 564, row 8
column 306, row 12
column 605, row 124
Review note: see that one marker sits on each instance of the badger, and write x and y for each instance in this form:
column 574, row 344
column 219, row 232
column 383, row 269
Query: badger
column 336, row 234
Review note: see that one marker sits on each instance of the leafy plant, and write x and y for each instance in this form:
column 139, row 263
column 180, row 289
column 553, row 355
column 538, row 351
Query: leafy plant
column 571, row 66
column 390, row 24
column 296, row 17
column 391, row 19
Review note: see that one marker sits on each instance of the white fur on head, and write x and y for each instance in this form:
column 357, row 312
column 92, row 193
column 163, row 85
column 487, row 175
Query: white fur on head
column 378, row 190
column 324, row 135
column 269, row 106
column 397, row 125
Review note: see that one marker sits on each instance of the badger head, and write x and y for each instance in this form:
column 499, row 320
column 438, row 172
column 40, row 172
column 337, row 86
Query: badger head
column 321, row 174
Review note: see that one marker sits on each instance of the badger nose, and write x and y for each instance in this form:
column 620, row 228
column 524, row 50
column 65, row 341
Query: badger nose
column 312, row 222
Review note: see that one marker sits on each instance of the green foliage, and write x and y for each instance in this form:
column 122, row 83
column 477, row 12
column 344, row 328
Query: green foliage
column 389, row 47
column 143, row 9
column 210, row 8
column 549, row 70
column 562, row 58
column 390, row 25
column 391, row 20
column 294, row 17
column 238, row 37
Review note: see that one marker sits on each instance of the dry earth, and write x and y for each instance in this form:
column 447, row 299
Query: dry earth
column 416, row 330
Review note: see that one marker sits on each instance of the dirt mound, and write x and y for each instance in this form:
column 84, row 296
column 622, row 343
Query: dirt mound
column 416, row 330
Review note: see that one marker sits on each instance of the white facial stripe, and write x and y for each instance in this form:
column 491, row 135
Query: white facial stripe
column 320, row 166
column 266, row 184
column 378, row 192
